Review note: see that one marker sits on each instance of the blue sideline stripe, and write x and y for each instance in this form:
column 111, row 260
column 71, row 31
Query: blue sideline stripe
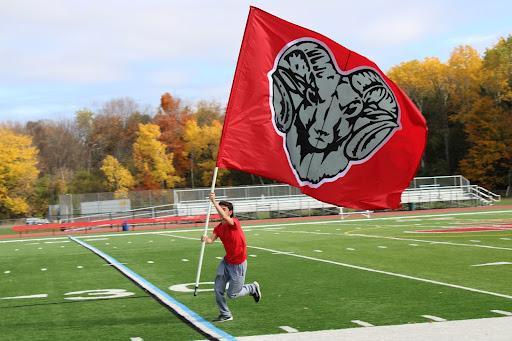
column 176, row 306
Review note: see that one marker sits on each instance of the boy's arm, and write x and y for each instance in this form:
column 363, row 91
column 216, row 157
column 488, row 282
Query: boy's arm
column 221, row 212
column 209, row 240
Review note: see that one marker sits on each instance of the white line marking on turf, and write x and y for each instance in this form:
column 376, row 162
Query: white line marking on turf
column 350, row 249
column 502, row 312
column 136, row 339
column 44, row 269
column 384, row 272
column 108, row 264
column 150, row 262
column 95, row 239
column 362, row 323
column 434, row 318
column 28, row 296
column 57, row 242
column 16, row 249
column 184, row 260
column 413, row 244
column 281, row 225
column 382, row 247
column 429, row 241
column 475, row 241
column 39, row 248
column 218, row 257
column 490, row 264
column 7, row 272
column 79, row 267
column 252, row 256
column 288, row 329
column 317, row 250
column 505, row 238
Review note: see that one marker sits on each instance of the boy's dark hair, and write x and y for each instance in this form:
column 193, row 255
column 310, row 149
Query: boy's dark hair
column 229, row 206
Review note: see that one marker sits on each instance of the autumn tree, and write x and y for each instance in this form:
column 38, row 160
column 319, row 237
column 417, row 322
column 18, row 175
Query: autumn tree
column 171, row 119
column 426, row 82
column 487, row 123
column 119, row 179
column 114, row 130
column 154, row 166
column 18, row 172
column 58, row 145
column 202, row 145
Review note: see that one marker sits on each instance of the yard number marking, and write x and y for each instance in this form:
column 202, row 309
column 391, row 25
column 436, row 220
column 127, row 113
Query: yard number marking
column 98, row 294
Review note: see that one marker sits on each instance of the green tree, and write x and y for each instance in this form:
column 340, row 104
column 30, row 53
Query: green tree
column 18, row 172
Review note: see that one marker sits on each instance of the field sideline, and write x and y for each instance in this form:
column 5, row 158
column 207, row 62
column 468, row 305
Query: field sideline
column 315, row 276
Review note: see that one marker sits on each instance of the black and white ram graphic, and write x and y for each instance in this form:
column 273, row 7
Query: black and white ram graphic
column 329, row 119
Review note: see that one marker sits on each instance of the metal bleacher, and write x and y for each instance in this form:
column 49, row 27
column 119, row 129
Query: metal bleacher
column 455, row 189
column 278, row 200
column 449, row 190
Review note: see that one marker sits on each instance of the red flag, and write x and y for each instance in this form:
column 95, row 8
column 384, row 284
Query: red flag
column 307, row 111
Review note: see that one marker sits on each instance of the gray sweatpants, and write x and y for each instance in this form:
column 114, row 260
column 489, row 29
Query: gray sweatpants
column 234, row 274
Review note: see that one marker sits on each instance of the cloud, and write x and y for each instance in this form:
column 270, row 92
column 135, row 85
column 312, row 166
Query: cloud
column 96, row 49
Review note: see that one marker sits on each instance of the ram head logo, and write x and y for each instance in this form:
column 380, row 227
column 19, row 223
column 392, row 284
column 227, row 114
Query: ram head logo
column 329, row 119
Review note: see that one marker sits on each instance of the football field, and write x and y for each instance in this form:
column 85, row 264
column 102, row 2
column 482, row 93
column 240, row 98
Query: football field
column 314, row 275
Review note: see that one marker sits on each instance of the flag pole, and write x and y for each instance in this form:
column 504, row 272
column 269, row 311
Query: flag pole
column 205, row 232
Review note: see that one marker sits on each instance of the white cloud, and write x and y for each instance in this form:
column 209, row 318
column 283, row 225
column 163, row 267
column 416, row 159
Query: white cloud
column 131, row 47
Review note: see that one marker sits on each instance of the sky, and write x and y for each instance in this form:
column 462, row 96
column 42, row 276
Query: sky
column 60, row 56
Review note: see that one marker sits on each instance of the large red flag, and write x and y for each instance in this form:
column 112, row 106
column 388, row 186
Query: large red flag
column 307, row 111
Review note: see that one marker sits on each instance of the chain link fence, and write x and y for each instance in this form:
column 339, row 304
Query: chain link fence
column 96, row 206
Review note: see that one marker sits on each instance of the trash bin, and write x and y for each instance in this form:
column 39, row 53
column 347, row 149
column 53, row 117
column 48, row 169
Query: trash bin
column 125, row 226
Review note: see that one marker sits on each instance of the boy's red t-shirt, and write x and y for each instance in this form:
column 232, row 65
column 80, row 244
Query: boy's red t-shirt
column 233, row 239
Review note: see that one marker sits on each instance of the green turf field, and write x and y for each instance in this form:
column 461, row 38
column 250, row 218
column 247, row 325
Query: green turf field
column 314, row 276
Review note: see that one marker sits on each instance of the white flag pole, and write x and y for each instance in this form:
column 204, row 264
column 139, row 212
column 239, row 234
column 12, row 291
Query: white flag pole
column 205, row 233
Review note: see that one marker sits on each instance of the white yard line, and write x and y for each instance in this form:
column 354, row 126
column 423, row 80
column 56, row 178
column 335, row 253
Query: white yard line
column 434, row 318
column 429, row 241
column 492, row 264
column 502, row 312
column 405, row 239
column 292, row 254
column 288, row 329
column 362, row 323
column 266, row 226
column 22, row 297
column 383, row 272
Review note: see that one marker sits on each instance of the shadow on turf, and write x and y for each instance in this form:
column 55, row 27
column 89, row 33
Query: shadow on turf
column 68, row 302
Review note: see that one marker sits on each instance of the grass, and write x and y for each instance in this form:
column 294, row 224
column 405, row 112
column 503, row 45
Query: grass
column 338, row 272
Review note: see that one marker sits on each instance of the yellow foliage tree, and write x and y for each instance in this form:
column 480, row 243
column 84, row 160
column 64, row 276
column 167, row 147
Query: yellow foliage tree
column 155, row 167
column 465, row 73
column 18, row 172
column 202, row 146
column 119, row 179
